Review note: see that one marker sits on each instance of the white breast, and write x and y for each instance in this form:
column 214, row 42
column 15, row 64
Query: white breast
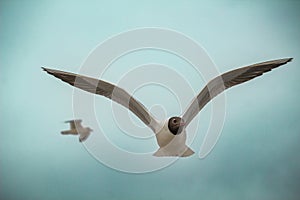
column 164, row 137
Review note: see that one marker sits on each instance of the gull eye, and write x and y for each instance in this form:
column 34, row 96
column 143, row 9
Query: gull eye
column 174, row 121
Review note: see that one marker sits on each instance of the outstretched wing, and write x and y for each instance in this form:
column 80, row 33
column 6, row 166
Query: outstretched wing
column 108, row 90
column 227, row 80
column 74, row 123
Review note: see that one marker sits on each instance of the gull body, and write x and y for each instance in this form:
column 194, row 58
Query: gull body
column 170, row 144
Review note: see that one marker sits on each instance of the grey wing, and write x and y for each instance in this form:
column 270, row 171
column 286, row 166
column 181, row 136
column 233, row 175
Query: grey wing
column 227, row 80
column 108, row 90
column 74, row 123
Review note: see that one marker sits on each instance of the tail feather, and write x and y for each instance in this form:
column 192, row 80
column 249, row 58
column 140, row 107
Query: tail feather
column 163, row 152
column 188, row 152
column 83, row 137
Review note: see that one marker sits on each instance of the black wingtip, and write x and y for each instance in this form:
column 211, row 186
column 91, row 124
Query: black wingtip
column 45, row 69
column 73, row 120
column 284, row 60
column 50, row 71
column 278, row 62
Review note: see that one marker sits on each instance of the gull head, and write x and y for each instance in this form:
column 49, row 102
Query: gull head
column 176, row 125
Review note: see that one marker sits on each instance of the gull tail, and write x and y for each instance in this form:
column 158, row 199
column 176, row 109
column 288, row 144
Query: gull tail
column 163, row 152
column 83, row 137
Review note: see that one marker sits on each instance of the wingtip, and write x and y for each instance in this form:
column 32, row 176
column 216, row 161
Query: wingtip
column 285, row 60
column 45, row 69
column 73, row 120
column 49, row 71
column 279, row 62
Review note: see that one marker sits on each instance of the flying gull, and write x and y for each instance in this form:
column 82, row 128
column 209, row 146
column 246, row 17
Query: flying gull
column 77, row 129
column 171, row 133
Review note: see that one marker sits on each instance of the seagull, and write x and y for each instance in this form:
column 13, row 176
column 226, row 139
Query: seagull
column 77, row 129
column 171, row 133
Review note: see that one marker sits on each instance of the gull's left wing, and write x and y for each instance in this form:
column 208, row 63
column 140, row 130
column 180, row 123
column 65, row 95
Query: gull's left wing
column 227, row 80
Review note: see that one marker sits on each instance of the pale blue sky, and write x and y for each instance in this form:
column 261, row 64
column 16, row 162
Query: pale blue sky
column 257, row 154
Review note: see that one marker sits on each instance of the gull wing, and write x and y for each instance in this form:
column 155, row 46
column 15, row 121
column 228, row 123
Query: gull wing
column 107, row 90
column 74, row 123
column 227, row 80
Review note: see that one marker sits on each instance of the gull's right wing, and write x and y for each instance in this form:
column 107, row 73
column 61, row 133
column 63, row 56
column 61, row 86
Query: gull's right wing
column 107, row 90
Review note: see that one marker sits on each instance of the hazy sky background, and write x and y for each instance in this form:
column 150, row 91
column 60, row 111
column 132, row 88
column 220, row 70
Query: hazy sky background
column 257, row 156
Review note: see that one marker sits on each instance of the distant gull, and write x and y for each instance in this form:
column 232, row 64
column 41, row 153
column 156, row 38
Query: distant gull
column 171, row 133
column 77, row 129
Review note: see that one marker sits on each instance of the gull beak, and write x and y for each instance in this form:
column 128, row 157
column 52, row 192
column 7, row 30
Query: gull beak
column 181, row 124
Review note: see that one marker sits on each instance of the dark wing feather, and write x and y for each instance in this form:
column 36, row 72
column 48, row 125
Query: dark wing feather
column 108, row 90
column 74, row 123
column 227, row 80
